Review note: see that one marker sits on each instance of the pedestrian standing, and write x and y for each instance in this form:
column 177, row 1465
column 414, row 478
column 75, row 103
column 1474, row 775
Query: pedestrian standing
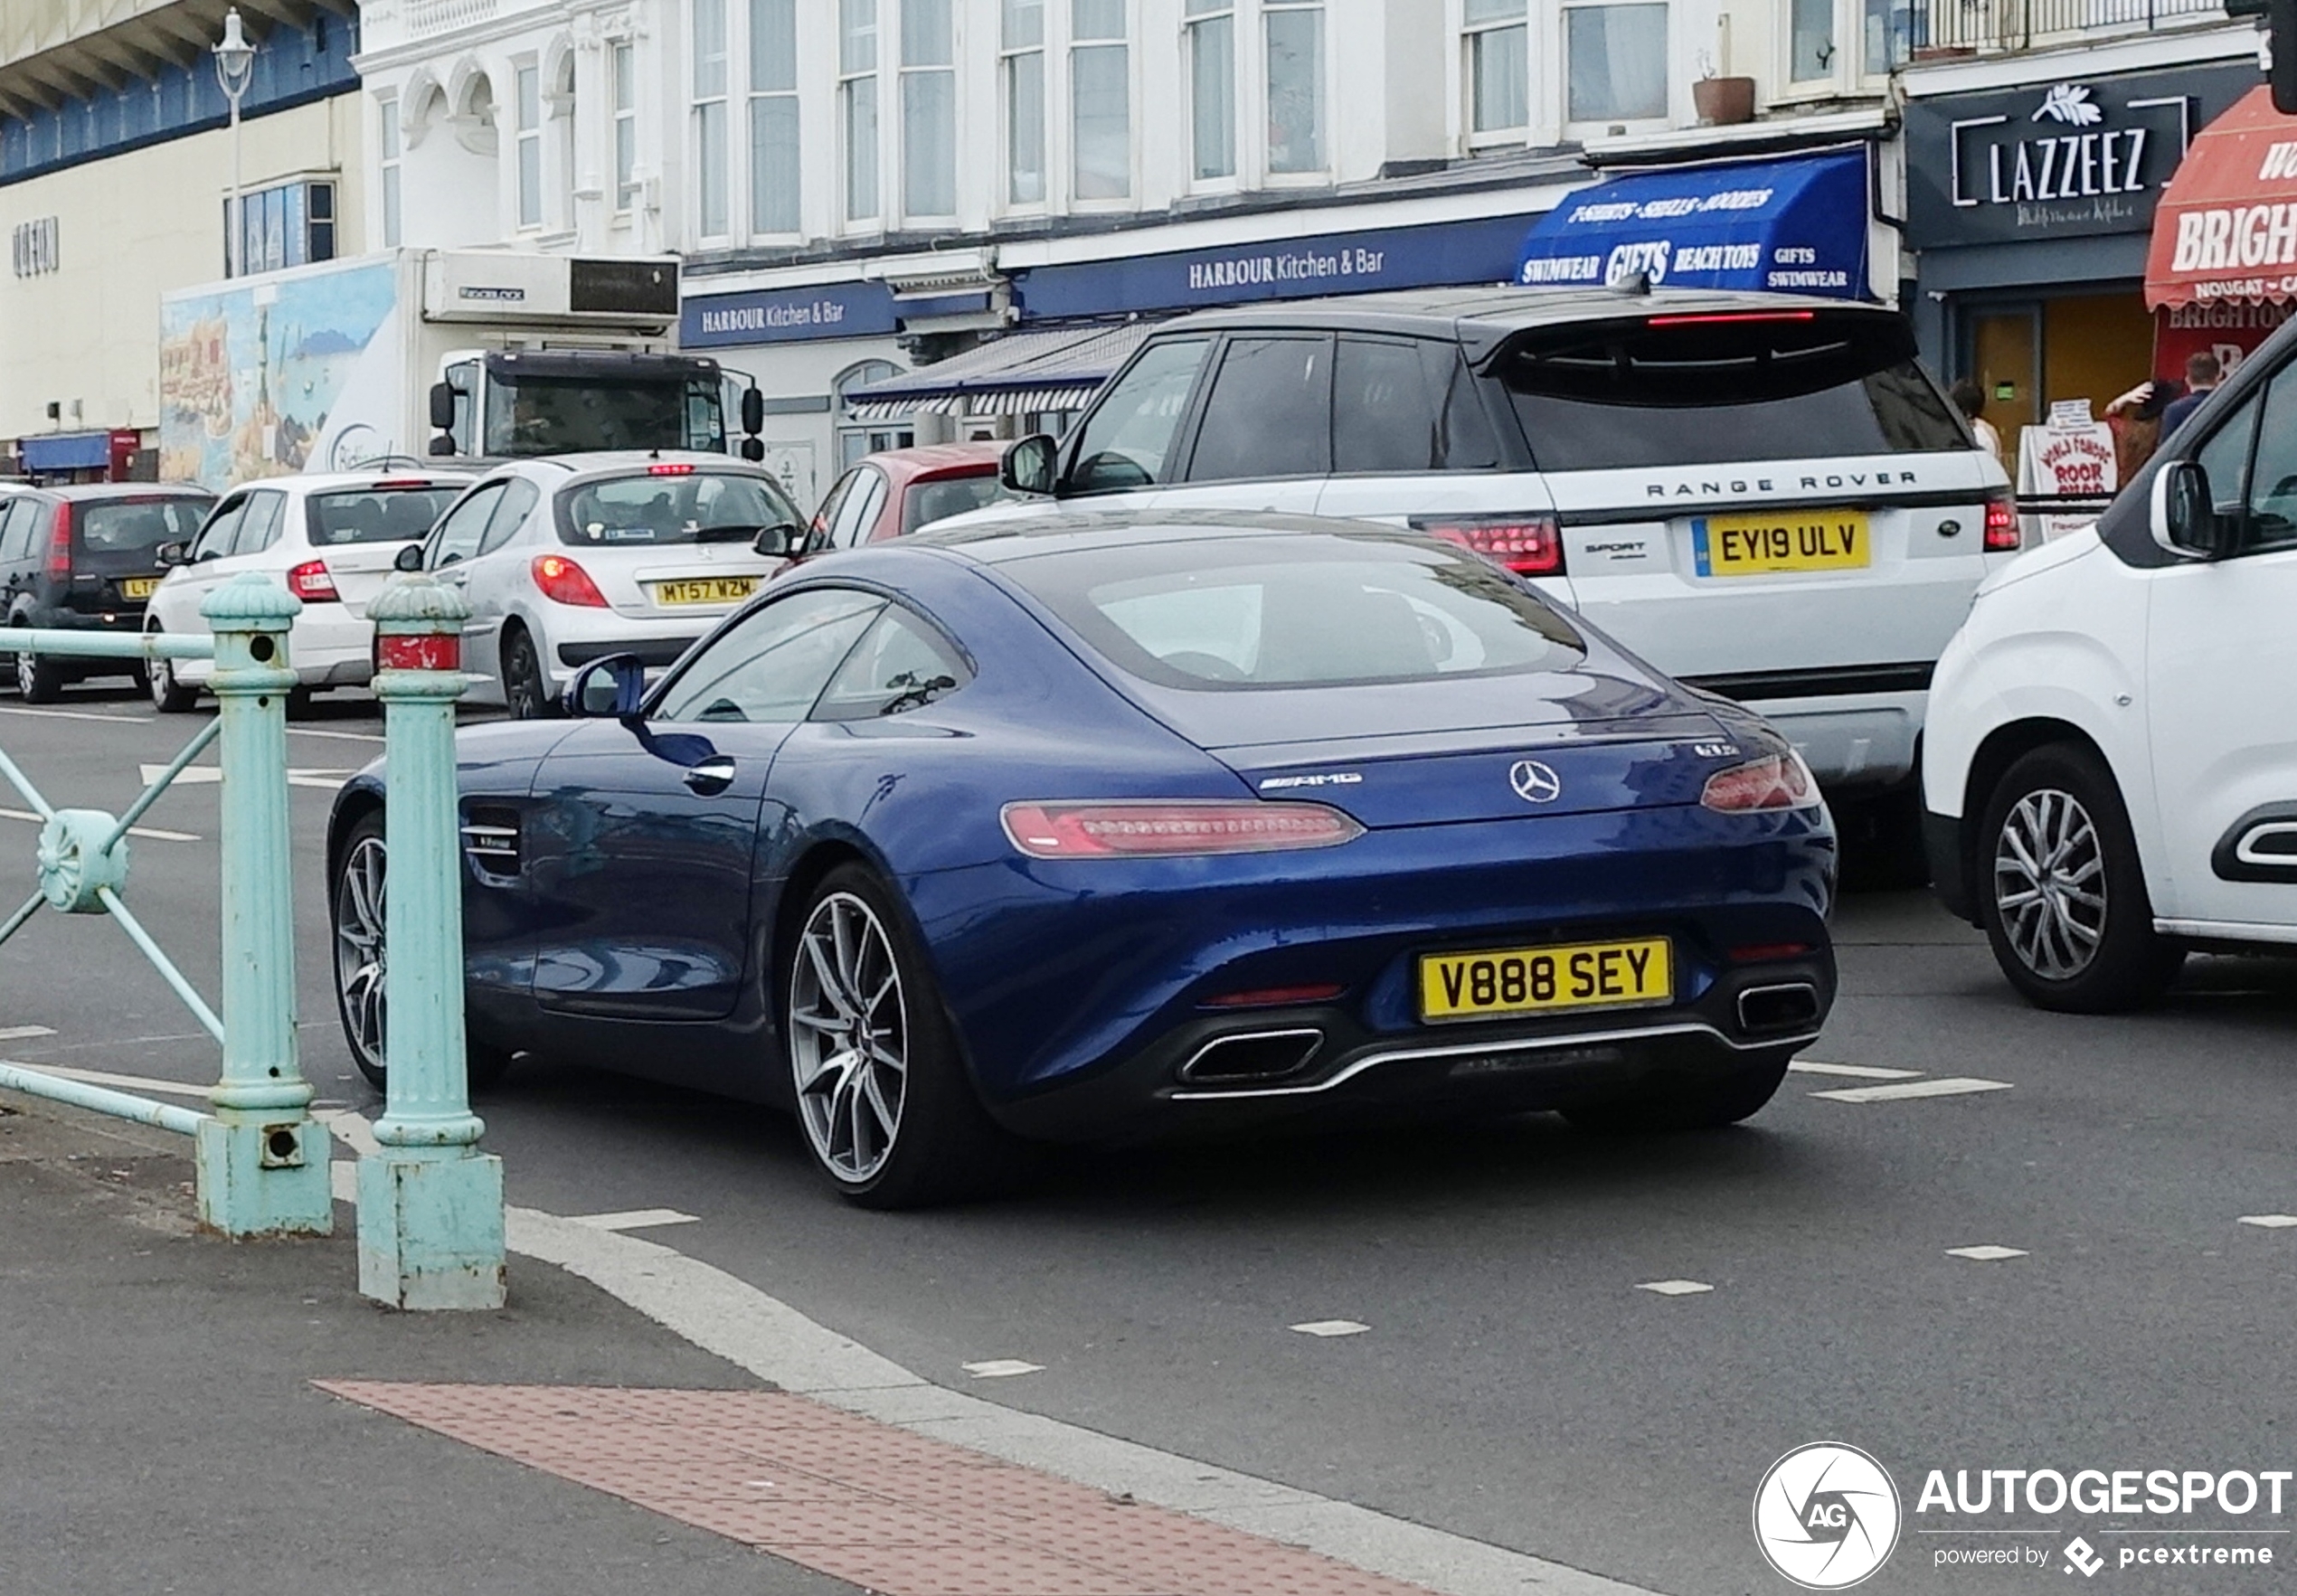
column 2203, row 373
column 2136, row 419
column 1971, row 400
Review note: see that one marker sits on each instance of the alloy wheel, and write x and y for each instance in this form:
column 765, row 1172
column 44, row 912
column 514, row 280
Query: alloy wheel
column 849, row 1037
column 27, row 675
column 359, row 949
column 2049, row 884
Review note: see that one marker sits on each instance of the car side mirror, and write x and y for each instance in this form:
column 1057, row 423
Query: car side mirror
column 1028, row 467
column 172, row 554
column 780, row 541
column 408, row 558
column 753, row 412
column 442, row 409
column 2184, row 518
column 752, row 449
column 614, row 685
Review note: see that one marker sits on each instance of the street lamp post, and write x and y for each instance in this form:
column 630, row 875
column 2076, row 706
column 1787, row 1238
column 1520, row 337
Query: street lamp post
column 234, row 65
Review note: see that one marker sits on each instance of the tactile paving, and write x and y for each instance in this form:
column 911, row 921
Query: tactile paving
column 862, row 1501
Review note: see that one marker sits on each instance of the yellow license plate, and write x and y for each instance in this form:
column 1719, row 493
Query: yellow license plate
column 138, row 586
column 1531, row 980
column 705, row 590
column 1782, row 541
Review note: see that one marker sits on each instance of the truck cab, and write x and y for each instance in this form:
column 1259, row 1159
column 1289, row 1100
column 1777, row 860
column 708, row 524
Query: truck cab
column 513, row 402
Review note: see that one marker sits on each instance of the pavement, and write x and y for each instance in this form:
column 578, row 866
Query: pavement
column 1967, row 1235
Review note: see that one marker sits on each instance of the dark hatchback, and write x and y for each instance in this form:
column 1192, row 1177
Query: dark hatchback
column 87, row 557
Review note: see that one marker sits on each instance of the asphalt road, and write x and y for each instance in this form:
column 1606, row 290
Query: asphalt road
column 1516, row 1382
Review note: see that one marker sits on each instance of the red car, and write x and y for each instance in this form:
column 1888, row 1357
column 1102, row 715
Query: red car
column 897, row 491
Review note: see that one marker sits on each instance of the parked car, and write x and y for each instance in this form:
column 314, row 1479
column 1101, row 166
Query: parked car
column 570, row 558
column 86, row 557
column 1120, row 824
column 896, row 491
column 330, row 538
column 2111, row 772
column 1764, row 495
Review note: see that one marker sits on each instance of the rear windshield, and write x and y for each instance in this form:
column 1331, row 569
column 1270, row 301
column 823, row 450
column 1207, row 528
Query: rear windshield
column 120, row 526
column 951, row 496
column 377, row 515
column 1245, row 613
column 687, row 507
column 1701, row 390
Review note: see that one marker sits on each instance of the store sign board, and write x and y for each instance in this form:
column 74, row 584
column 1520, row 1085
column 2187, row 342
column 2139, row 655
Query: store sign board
column 2070, row 159
column 785, row 315
column 1439, row 254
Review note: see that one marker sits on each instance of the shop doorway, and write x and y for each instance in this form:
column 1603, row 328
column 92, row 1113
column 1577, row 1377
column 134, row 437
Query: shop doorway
column 2028, row 355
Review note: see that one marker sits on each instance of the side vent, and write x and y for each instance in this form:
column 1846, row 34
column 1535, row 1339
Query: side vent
column 491, row 839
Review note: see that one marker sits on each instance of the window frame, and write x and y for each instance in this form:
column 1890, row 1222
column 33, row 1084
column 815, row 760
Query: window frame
column 1200, row 21
column 1208, row 384
column 853, row 76
column 893, row 612
column 391, row 143
column 709, row 113
column 911, row 75
column 698, row 657
column 1573, row 124
column 526, row 143
column 622, row 98
column 1180, row 446
column 1077, row 44
column 491, row 491
column 1471, row 32
column 756, row 101
column 1010, row 59
column 1271, row 11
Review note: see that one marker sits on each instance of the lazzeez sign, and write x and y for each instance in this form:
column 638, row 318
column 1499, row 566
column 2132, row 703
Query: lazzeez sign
column 2071, row 159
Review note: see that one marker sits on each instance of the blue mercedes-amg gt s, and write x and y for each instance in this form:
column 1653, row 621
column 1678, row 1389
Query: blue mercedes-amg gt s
column 1101, row 826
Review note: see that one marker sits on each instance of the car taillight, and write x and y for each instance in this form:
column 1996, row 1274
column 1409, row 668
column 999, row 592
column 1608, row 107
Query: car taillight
column 310, row 582
column 1528, row 545
column 564, row 583
column 60, row 543
column 2002, row 524
column 1778, row 781
column 1148, row 829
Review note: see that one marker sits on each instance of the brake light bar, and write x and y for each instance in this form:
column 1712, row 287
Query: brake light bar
column 2002, row 534
column 1712, row 317
column 1152, row 829
column 1276, row 997
column 669, row 470
column 405, row 482
column 1528, row 545
column 310, row 582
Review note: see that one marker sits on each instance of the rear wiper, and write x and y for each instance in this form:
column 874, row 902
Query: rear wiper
column 742, row 533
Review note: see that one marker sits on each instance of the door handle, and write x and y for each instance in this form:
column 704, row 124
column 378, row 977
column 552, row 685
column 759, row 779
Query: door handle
column 711, row 775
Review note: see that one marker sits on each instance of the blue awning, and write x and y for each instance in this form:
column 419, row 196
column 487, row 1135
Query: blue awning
column 1792, row 225
column 66, row 451
column 1021, row 373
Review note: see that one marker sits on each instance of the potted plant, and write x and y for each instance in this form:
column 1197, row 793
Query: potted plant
column 1721, row 100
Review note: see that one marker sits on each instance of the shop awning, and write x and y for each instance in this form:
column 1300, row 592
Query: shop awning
column 1796, row 224
column 66, row 451
column 2226, row 226
column 1020, row 373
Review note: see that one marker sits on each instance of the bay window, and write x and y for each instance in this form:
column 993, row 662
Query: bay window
column 1295, row 41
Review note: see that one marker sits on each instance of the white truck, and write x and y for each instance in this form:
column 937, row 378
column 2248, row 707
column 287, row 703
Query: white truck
column 437, row 355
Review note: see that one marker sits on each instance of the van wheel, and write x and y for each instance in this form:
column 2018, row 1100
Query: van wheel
column 2061, row 892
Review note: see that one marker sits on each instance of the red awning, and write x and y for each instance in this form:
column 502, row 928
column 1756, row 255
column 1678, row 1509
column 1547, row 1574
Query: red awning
column 2226, row 226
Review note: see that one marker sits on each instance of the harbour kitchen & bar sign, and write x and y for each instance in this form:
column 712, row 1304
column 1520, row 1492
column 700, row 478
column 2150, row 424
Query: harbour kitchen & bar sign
column 2062, row 160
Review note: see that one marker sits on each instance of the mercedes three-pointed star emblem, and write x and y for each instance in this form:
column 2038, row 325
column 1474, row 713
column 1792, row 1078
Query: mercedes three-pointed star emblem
column 1534, row 782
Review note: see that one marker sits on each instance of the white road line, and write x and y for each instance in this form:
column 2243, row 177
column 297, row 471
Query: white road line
column 351, row 1128
column 76, row 714
column 1002, row 1368
column 634, row 1219
column 18, row 1032
column 1675, row 1288
column 125, row 1082
column 2270, row 1222
column 1331, row 1328
column 736, row 1321
column 212, row 776
column 345, row 736
column 1988, row 1254
column 1863, row 1071
column 1945, row 1086
column 156, row 833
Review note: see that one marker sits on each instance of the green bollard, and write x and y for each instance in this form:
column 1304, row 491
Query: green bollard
column 262, row 1161
column 430, row 1203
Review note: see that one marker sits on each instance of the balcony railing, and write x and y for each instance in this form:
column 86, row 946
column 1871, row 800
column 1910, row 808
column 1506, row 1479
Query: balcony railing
column 1930, row 29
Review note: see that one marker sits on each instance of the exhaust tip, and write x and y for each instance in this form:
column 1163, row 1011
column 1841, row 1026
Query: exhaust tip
column 1250, row 1057
column 1789, row 1006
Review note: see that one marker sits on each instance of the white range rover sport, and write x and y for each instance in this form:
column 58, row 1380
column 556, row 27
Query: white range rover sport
column 2111, row 771
column 1764, row 495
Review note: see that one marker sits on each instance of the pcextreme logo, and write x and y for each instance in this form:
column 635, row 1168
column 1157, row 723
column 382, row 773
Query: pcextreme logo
column 1826, row 1516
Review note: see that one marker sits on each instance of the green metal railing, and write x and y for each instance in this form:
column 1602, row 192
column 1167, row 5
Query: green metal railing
column 430, row 1206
